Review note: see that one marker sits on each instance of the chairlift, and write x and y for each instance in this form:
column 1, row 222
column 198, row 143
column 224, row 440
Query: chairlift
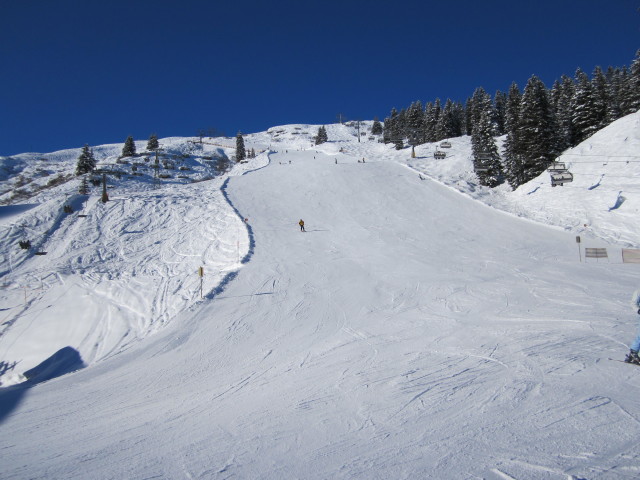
column 560, row 178
column 25, row 244
column 557, row 167
column 445, row 145
column 438, row 155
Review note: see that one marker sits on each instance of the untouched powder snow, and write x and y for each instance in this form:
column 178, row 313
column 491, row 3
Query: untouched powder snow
column 410, row 332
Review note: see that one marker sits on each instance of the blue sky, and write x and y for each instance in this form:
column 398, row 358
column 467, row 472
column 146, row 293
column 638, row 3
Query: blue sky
column 85, row 71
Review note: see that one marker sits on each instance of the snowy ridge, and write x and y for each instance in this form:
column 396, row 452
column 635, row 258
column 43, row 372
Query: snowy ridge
column 411, row 332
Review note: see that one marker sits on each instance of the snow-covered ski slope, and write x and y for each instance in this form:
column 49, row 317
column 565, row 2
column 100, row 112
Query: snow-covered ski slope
column 411, row 332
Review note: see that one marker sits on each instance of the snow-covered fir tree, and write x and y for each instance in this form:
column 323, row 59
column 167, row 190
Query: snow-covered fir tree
column 486, row 159
column 86, row 161
column 499, row 107
column 152, row 143
column 600, row 93
column 415, row 123
column 376, row 128
column 241, row 153
column 444, row 125
column 537, row 129
column 321, row 137
column 585, row 118
column 631, row 97
column 129, row 149
column 513, row 164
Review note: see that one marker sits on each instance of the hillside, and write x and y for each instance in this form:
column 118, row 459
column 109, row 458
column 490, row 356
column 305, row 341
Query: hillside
column 411, row 332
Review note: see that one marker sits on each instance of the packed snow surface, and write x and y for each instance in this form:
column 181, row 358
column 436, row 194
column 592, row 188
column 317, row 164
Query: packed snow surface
column 411, row 332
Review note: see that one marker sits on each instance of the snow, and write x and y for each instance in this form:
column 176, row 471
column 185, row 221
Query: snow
column 423, row 326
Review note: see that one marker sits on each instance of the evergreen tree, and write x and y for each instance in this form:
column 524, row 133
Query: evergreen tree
column 431, row 114
column 153, row 144
column 632, row 87
column 390, row 127
column 321, row 137
column 537, row 132
column 86, row 161
column 241, row 153
column 499, row 108
column 468, row 116
column 615, row 89
column 129, row 149
column 564, row 113
column 415, row 123
column 513, row 163
column 376, row 128
column 584, row 118
column 599, row 91
column 486, row 159
column 458, row 120
column 444, row 126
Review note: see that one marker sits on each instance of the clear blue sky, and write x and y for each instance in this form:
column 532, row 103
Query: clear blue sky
column 84, row 71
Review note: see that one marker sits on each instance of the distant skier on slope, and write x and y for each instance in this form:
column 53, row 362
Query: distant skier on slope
column 301, row 223
column 632, row 356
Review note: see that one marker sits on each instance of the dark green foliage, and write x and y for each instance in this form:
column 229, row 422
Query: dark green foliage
column 632, row 87
column 376, row 128
column 86, row 161
column 585, row 118
column 129, row 149
column 321, row 137
column 537, row 131
column 414, row 124
column 153, row 144
column 241, row 153
column 486, row 159
column 600, row 92
column 499, row 111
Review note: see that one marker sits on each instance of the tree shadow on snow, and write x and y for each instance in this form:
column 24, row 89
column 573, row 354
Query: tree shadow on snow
column 65, row 360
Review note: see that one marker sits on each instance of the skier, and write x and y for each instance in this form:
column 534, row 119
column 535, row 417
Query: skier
column 632, row 356
column 301, row 223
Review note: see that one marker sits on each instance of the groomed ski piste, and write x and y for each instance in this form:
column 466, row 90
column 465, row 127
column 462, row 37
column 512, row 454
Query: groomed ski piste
column 422, row 327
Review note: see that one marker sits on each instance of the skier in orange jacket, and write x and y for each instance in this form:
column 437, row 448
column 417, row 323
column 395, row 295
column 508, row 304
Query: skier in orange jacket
column 301, row 223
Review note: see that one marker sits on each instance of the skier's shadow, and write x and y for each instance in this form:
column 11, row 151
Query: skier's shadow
column 316, row 230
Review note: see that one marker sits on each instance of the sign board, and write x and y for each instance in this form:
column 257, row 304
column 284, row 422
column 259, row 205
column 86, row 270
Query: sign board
column 595, row 253
column 630, row 255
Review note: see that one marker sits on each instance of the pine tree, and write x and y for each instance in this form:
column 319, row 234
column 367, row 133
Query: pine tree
column 86, row 161
column 615, row 88
column 486, row 159
column 513, row 164
column 390, row 126
column 600, row 94
column 537, row 129
column 458, row 120
column 153, row 144
column 499, row 107
column 468, row 114
column 321, row 137
column 632, row 87
column 376, row 128
column 241, row 153
column 415, row 123
column 564, row 113
column 431, row 114
column 444, row 126
column 129, row 149
column 584, row 118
